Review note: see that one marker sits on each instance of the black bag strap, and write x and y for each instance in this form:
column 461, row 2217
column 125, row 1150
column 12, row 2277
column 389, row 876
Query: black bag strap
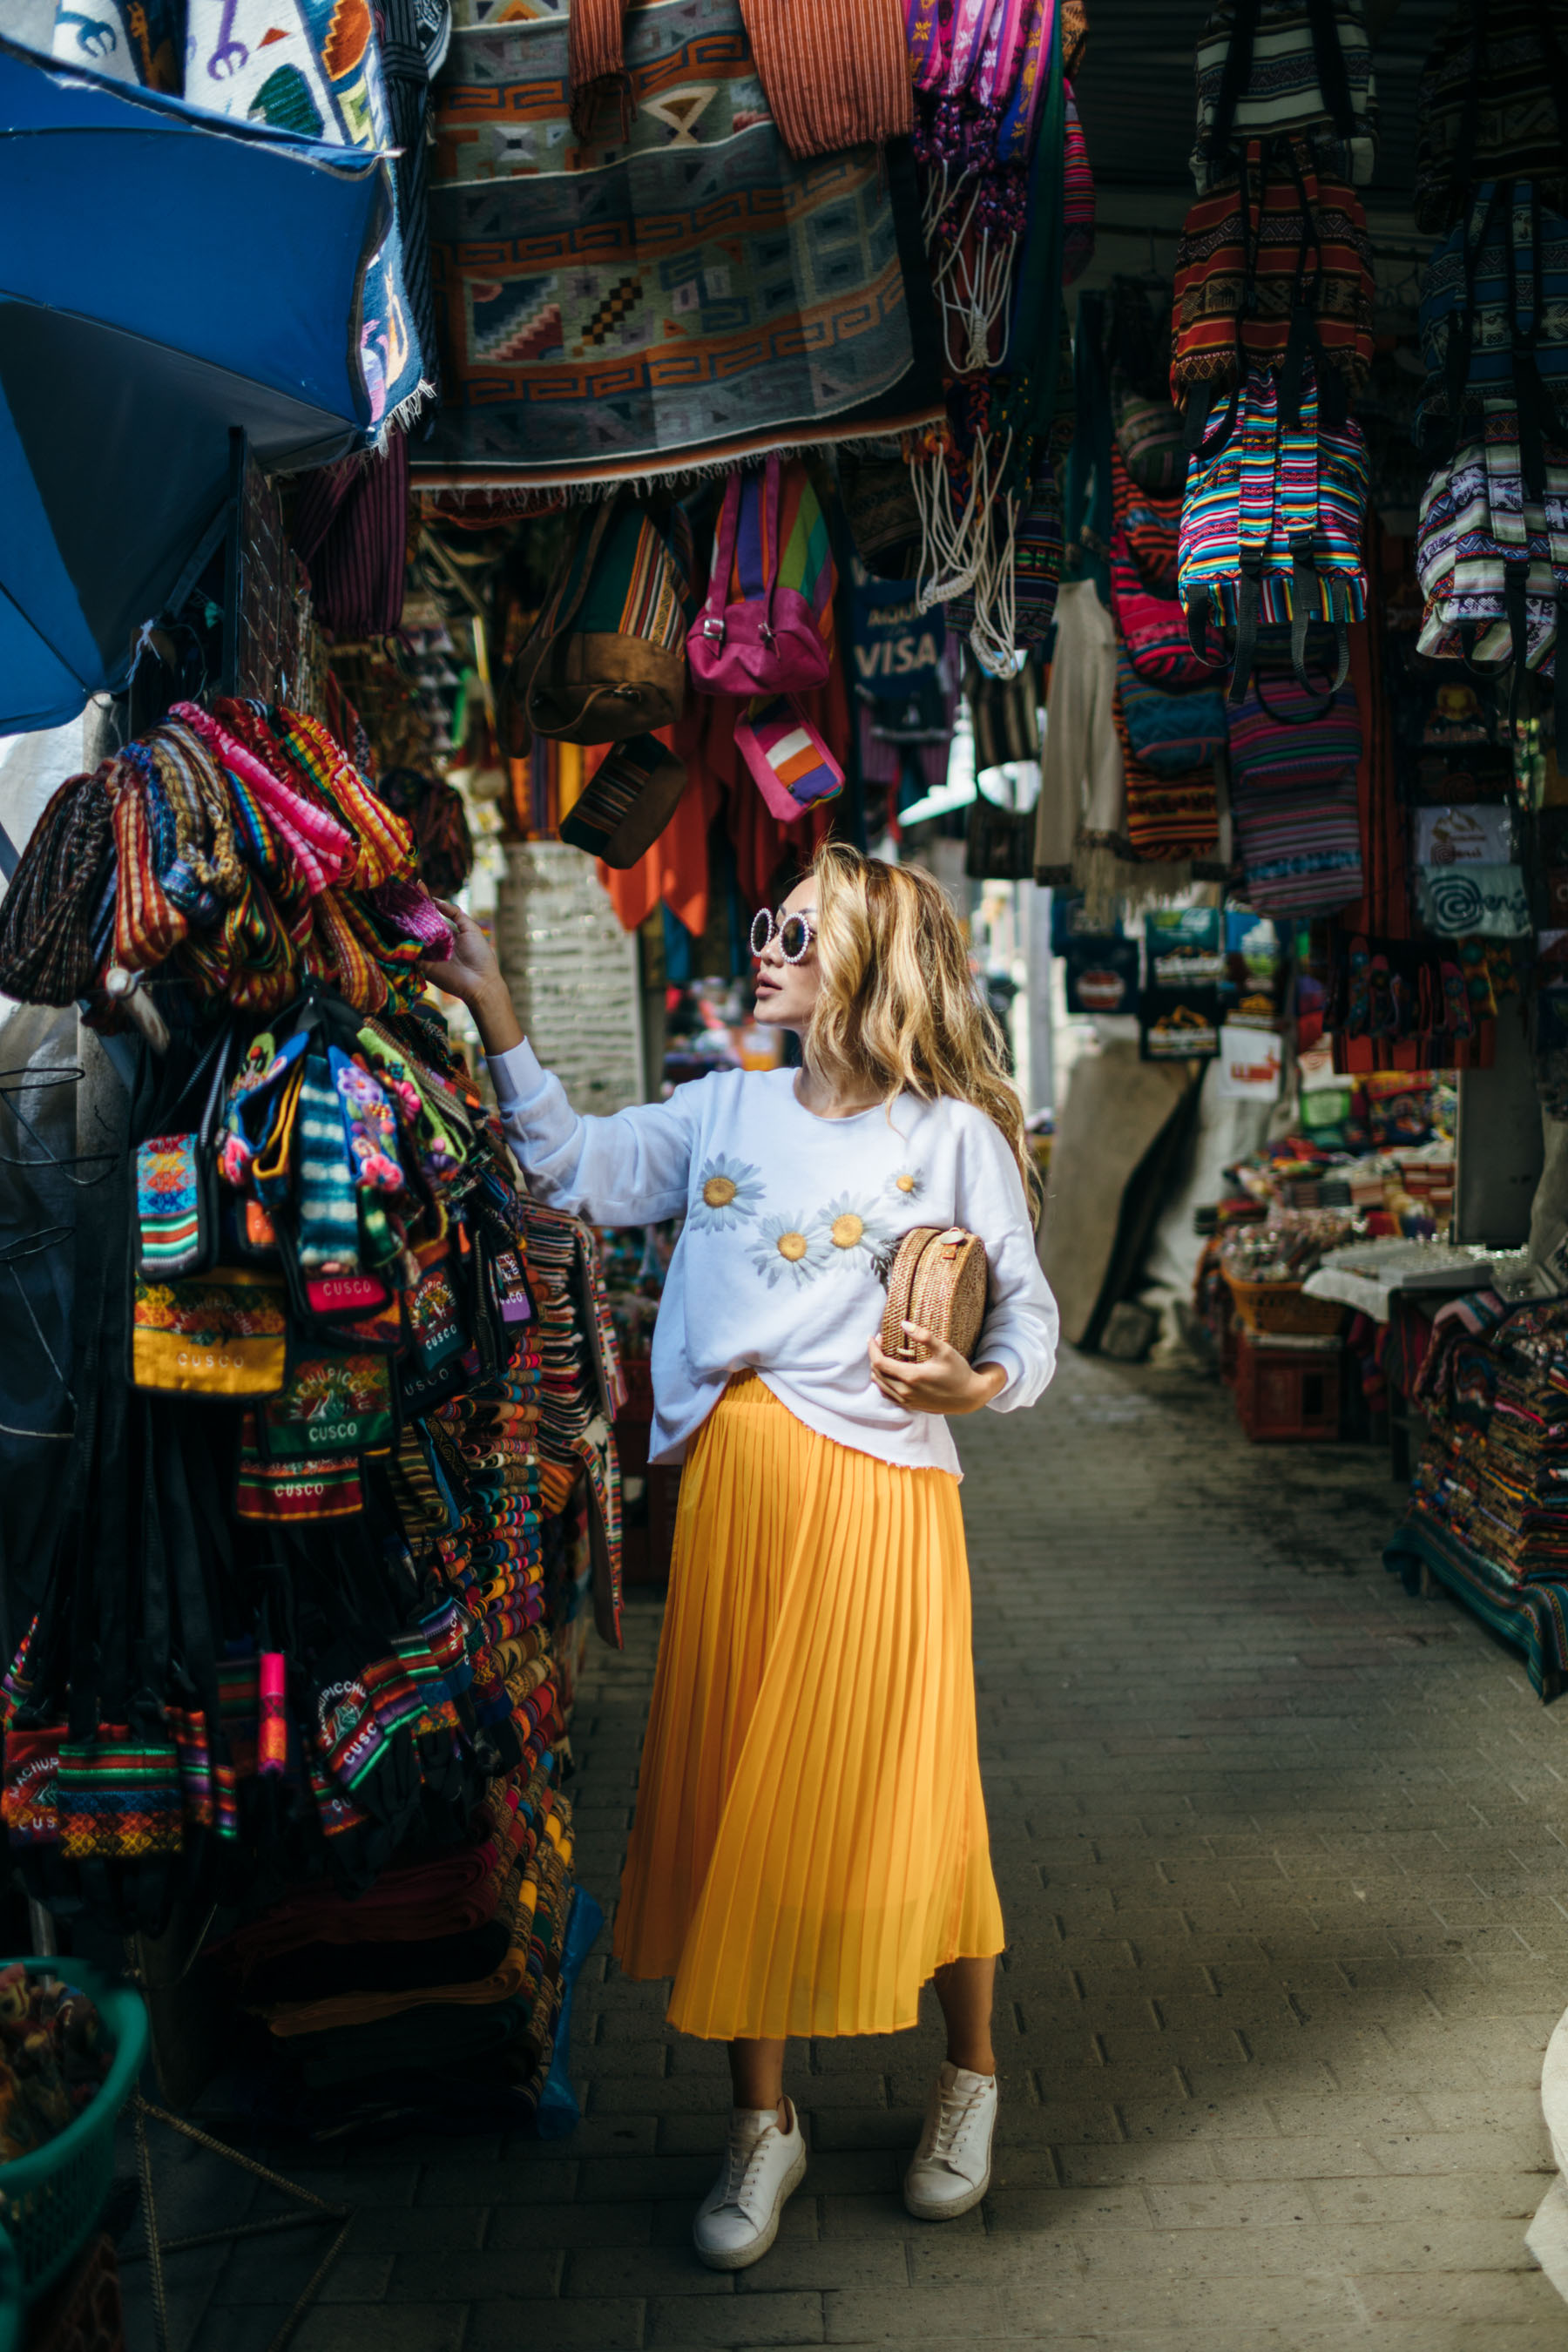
column 1235, row 77
column 1333, row 75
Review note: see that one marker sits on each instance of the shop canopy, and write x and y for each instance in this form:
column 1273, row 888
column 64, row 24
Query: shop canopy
column 166, row 276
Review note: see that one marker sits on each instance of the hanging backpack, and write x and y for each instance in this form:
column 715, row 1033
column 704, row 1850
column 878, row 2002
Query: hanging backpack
column 1492, row 104
column 1492, row 561
column 1269, row 67
column 1494, row 325
column 1151, row 526
column 1271, row 529
column 1271, row 270
column 767, row 625
column 1149, row 436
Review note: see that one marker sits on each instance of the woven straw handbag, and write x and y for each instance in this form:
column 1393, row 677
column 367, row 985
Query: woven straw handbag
column 938, row 1279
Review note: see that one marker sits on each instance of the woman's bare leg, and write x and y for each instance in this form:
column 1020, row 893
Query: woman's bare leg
column 964, row 1988
column 756, row 2075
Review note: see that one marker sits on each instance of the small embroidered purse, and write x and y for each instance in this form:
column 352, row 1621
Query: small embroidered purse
column 938, row 1278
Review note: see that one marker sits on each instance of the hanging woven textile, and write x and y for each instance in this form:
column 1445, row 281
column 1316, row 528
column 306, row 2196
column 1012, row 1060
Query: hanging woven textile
column 635, row 275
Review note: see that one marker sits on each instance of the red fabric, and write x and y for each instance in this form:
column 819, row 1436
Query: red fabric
column 1383, row 911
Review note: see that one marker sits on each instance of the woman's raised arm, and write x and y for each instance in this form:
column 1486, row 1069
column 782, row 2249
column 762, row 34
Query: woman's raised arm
column 628, row 1170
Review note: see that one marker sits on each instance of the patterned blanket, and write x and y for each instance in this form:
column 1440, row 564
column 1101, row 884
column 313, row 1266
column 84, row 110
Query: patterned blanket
column 674, row 290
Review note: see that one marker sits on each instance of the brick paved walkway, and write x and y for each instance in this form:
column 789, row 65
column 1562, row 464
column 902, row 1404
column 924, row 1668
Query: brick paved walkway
column 1282, row 1857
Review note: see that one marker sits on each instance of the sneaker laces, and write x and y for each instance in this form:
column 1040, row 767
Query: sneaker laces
column 743, row 2165
column 956, row 2111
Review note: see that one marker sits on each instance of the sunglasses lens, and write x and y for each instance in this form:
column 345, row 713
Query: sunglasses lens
column 762, row 930
column 795, row 937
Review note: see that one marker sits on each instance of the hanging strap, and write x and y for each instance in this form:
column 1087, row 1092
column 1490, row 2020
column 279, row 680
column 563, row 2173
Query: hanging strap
column 1333, row 77
column 1235, row 79
column 1258, row 418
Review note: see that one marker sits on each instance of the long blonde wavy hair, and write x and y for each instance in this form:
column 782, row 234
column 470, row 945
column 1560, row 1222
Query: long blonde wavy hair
column 897, row 1010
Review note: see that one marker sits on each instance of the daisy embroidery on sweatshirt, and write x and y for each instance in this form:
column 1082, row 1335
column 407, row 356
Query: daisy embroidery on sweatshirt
column 854, row 1229
column 728, row 1192
column 789, row 1248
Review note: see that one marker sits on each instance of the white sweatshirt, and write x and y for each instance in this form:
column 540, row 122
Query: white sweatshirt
column 785, row 1213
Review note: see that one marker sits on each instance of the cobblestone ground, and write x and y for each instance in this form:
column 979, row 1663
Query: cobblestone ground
column 1282, row 1854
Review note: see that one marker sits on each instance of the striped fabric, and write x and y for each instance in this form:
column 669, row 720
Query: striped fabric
column 1239, row 256
column 1077, row 199
column 835, row 72
column 1299, row 846
column 1153, row 629
column 789, row 548
column 1151, row 526
column 1266, row 485
column 1169, row 734
column 1169, row 818
column 1475, row 518
column 1270, row 747
column 1293, row 798
column 1282, row 90
column 1518, row 128
column 634, row 589
column 1471, row 315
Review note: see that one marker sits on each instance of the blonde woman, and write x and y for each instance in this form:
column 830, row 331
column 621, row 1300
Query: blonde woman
column 810, row 1846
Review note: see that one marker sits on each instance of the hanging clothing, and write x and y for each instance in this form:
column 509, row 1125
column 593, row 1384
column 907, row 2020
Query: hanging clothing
column 1082, row 802
column 351, row 532
column 836, row 72
column 786, row 1214
column 810, row 1842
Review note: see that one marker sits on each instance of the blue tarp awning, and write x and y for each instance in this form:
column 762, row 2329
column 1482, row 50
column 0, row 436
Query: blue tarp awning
column 165, row 275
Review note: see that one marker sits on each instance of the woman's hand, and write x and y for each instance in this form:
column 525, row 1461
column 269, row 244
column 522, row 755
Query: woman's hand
column 471, row 974
column 944, row 1383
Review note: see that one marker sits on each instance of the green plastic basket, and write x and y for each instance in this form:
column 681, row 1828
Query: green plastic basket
column 50, row 2201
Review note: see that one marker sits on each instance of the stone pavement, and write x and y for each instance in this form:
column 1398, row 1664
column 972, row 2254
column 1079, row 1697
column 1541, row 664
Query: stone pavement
column 1282, row 1855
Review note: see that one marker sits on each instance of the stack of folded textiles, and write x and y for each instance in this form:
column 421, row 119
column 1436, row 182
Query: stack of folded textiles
column 1494, row 1471
column 581, row 1390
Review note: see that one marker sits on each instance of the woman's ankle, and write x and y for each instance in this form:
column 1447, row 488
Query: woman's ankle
column 973, row 2061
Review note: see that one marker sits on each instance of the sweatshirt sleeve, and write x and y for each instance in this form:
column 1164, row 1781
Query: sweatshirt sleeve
column 628, row 1170
column 1021, row 1323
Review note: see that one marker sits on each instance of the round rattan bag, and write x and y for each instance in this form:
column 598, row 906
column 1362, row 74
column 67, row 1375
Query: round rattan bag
column 938, row 1279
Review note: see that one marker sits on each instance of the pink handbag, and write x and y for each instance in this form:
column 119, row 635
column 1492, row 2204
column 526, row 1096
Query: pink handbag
column 767, row 626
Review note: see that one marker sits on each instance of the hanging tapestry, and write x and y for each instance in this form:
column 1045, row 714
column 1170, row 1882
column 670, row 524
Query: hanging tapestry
column 672, row 290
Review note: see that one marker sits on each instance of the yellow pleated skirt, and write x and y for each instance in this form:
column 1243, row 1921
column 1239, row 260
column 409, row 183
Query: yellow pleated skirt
column 810, row 1841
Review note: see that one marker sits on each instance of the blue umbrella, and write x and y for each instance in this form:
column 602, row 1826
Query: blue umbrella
column 166, row 275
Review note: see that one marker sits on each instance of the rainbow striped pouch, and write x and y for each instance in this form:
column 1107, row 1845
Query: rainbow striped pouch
column 791, row 766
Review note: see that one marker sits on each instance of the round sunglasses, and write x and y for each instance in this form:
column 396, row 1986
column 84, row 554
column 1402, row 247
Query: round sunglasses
column 795, row 934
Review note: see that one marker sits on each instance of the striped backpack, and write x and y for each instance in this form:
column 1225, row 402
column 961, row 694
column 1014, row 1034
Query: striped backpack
column 1492, row 105
column 1494, row 325
column 1271, row 270
column 1269, row 67
column 1492, row 561
column 1271, row 529
column 1151, row 525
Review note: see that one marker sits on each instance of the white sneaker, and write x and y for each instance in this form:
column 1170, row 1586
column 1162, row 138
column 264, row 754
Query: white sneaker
column 952, row 2167
column 738, row 2219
